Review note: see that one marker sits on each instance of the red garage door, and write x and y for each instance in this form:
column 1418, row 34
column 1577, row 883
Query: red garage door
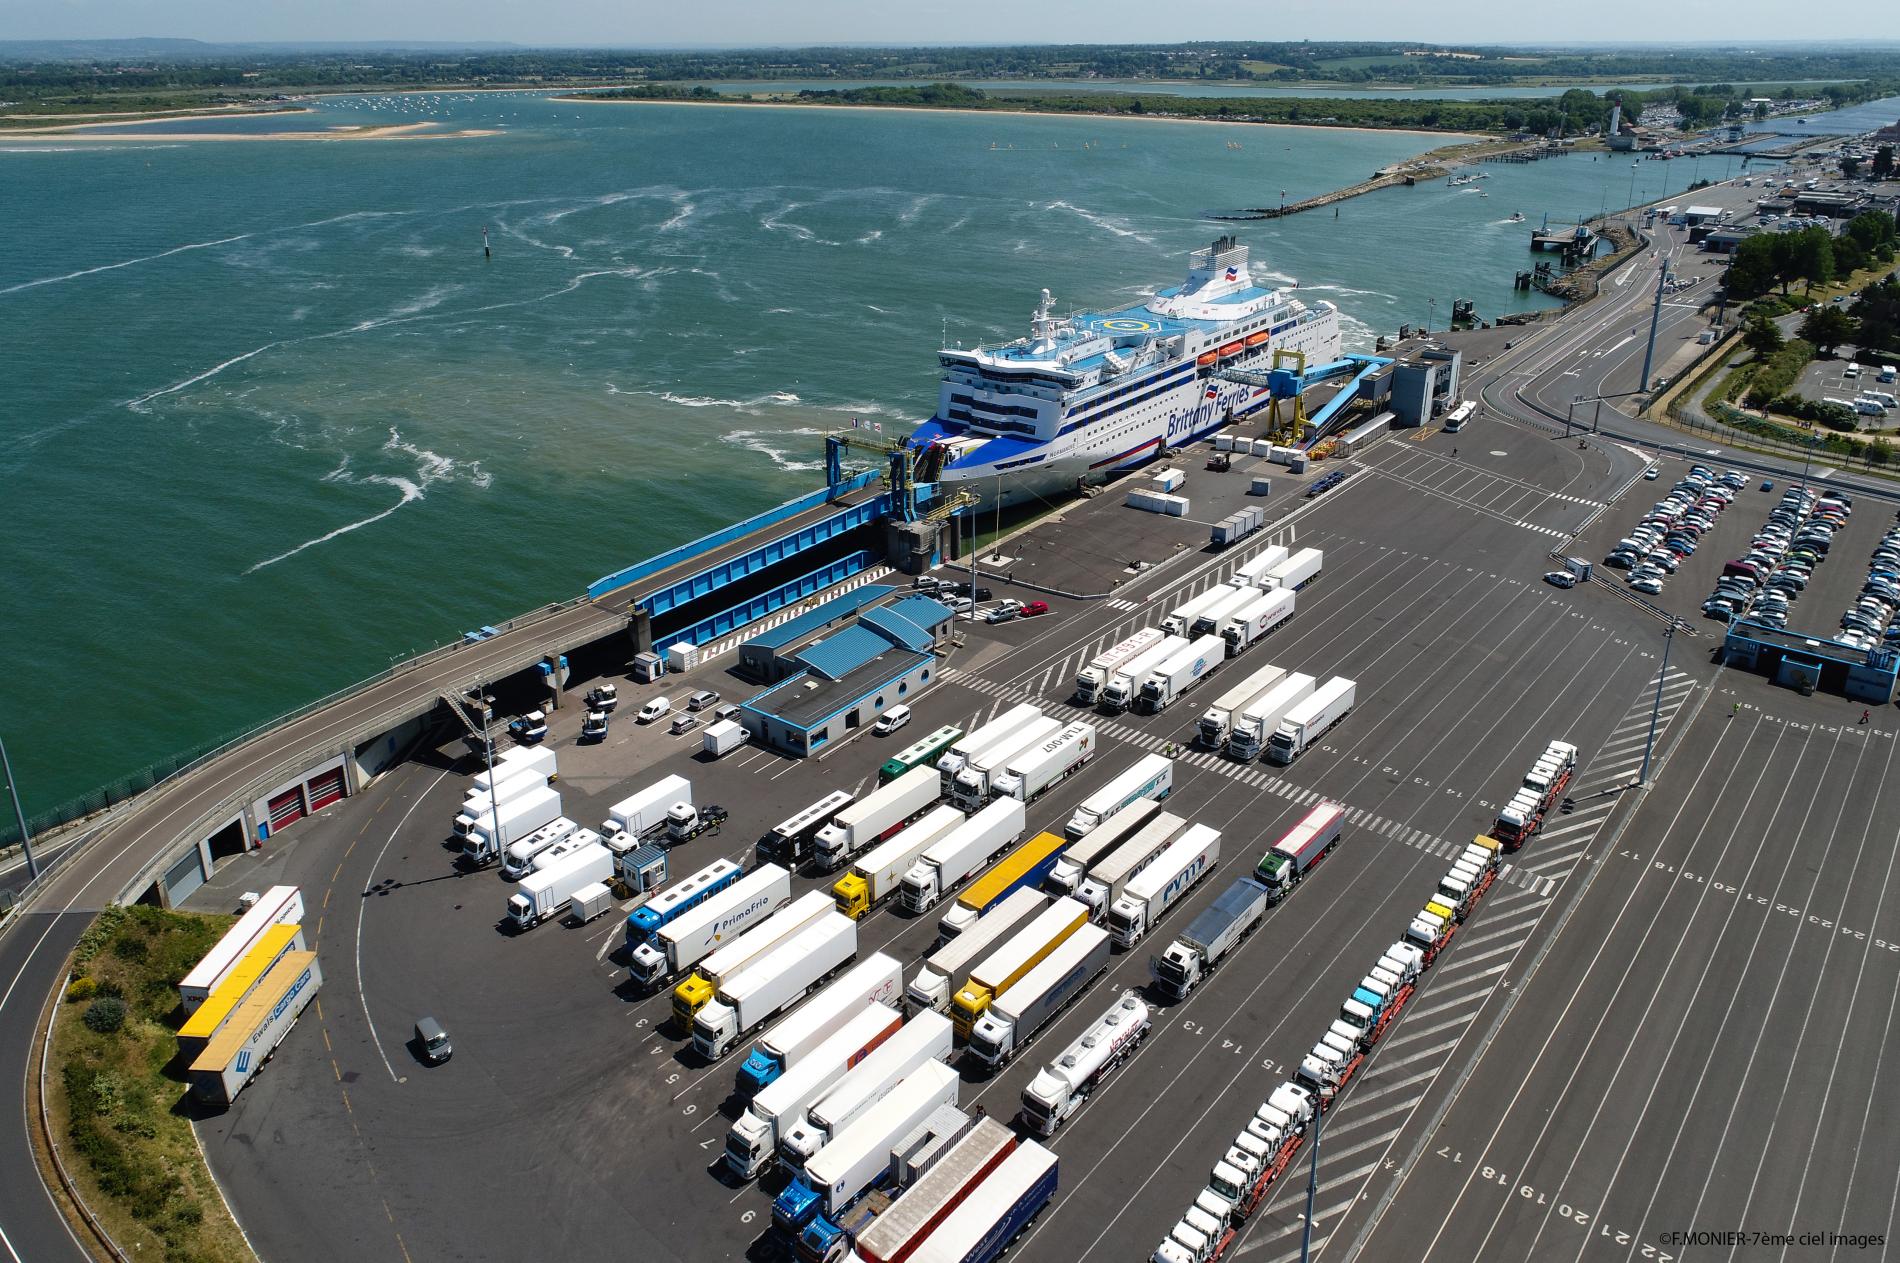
column 324, row 789
column 286, row 808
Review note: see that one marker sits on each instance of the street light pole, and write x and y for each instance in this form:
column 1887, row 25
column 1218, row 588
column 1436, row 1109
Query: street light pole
column 26, row 839
column 1655, row 322
column 1655, row 710
column 1431, row 314
column 1312, row 1181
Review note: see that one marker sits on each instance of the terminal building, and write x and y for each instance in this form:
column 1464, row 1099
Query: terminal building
column 835, row 685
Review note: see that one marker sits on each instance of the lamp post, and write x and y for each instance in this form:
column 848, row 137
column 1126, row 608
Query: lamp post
column 26, row 839
column 1634, row 168
column 1431, row 314
column 1655, row 711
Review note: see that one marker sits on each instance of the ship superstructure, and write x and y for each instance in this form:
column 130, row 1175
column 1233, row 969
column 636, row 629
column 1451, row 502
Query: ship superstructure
column 1087, row 394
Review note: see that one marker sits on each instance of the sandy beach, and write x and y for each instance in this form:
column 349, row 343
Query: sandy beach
column 94, row 132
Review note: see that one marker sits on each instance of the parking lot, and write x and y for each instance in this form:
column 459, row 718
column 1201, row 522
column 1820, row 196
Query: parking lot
column 570, row 1117
column 1828, row 379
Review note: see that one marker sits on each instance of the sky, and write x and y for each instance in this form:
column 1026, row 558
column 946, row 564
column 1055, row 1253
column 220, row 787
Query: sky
column 645, row 23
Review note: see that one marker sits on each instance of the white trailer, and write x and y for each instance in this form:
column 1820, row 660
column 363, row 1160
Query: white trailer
column 877, row 816
column 485, row 839
column 519, row 858
column 1122, row 687
column 735, row 954
column 972, row 786
column 1059, row 1088
column 967, row 848
column 1259, row 564
column 553, row 855
column 687, row 939
column 1014, row 1017
column 924, row 1038
column 480, row 803
column 996, row 1211
column 1296, row 571
column 948, row 968
column 1150, row 893
column 875, row 877
column 1093, row 678
column 895, row 1234
column 765, row 988
column 1210, row 620
column 1260, row 719
column 877, row 979
column 1305, row 723
column 1109, row 877
column 542, row 894
column 279, row 905
column 1257, row 619
column 751, row 1141
column 644, row 813
column 513, row 762
column 1219, row 719
column 1033, row 773
column 860, row 1152
column 1151, row 778
column 1181, row 621
column 971, row 744
column 1098, row 844
column 1180, row 672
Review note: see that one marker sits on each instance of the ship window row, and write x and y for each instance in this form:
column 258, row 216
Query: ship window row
column 1167, row 377
column 1002, row 409
column 1162, row 389
column 988, row 423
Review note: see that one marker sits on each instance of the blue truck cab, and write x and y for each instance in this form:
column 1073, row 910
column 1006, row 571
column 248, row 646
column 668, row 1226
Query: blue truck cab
column 795, row 1207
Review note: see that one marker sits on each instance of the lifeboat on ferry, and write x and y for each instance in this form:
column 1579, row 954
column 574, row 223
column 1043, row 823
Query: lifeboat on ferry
column 1257, row 339
column 1205, row 358
column 1232, row 348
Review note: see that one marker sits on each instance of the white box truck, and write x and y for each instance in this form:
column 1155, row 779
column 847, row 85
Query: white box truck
column 1151, row 778
column 690, row 937
column 1014, row 1017
column 1180, row 673
column 1093, row 678
column 1218, row 721
column 735, row 954
column 1260, row 718
column 480, row 803
column 513, row 762
column 1257, row 619
column 722, row 739
column 484, row 841
column 518, row 858
column 1111, row 875
column 971, row 787
column 877, row 816
column 1034, row 772
column 875, row 877
column 924, row 1038
column 644, row 813
column 948, row 968
column 766, row 987
column 754, row 1138
column 876, row 979
column 967, row 848
column 543, row 894
column 1151, row 892
column 1180, row 621
column 1296, row 571
column 958, row 756
column 553, row 855
column 1307, row 722
column 1122, row 686
column 1214, row 617
column 1097, row 845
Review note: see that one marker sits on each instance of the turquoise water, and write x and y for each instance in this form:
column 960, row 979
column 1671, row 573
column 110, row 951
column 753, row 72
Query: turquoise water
column 270, row 419
column 1182, row 87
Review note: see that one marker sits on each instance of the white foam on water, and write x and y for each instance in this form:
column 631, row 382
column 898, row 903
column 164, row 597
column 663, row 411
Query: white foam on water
column 1107, row 223
column 772, row 444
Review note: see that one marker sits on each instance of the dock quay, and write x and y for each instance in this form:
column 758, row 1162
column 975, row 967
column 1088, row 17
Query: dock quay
column 1406, row 176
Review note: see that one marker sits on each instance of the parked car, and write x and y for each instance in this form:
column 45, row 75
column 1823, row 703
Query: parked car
column 658, row 708
column 1034, row 608
column 891, row 720
column 684, row 723
column 1560, row 578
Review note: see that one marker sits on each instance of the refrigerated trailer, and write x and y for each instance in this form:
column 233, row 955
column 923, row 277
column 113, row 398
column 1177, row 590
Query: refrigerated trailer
column 1257, row 619
column 734, row 954
column 767, row 987
column 872, row 819
column 1151, row 778
column 983, row 739
column 945, row 970
column 1260, row 718
column 1219, row 719
column 1310, row 720
column 924, row 1038
column 1097, row 845
column 1018, row 1014
column 752, row 1141
column 1109, row 877
column 876, row 979
column 1034, row 772
column 279, row 905
column 974, row 784
column 968, row 847
column 1026, row 866
column 1102, row 668
column 1150, row 893
column 875, row 877
column 1009, row 963
column 1126, row 681
column 1180, row 673
column 691, row 936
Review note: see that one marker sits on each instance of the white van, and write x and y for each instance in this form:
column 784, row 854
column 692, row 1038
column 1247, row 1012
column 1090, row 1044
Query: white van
column 1851, row 371
column 1889, row 373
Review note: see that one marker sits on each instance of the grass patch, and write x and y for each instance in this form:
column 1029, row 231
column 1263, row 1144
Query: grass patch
column 117, row 1098
column 1774, row 375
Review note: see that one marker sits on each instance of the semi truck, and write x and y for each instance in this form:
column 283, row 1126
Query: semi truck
column 972, row 786
column 1151, row 892
column 1110, row 876
column 1179, row 673
column 1098, row 844
column 1013, row 1019
column 1094, row 677
column 542, row 894
column 1024, row 867
column 924, row 1038
column 1257, row 619
column 877, row 979
column 1126, row 682
column 996, row 1212
column 876, row 817
column 1060, row 1088
column 483, row 842
column 1295, row 572
column 279, row 905
column 675, row 938
column 1212, row 618
column 1013, row 960
column 1431, row 930
column 968, row 847
column 519, row 857
column 895, row 1235
column 1310, row 719
column 480, row 802
column 643, row 814
column 1250, row 570
column 1238, row 1187
column 969, row 746
column 1151, row 779
column 1180, row 621
column 549, row 856
column 793, row 842
column 875, row 877
column 1383, row 993
column 1218, row 722
column 859, row 1155
column 825, row 1241
column 1260, row 718
column 767, row 987
column 1542, row 789
column 1214, row 932
column 752, row 1141
column 1303, row 846
column 945, row 970
column 755, row 943
column 1034, row 772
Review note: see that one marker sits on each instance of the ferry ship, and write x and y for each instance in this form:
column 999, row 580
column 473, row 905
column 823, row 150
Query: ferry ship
column 1087, row 395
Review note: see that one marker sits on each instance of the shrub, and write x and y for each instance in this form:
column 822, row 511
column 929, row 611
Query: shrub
column 105, row 1015
column 100, row 932
column 1776, row 373
column 84, row 988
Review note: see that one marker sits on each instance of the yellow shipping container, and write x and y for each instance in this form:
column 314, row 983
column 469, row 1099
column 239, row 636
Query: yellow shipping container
column 1007, row 965
column 211, row 1015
